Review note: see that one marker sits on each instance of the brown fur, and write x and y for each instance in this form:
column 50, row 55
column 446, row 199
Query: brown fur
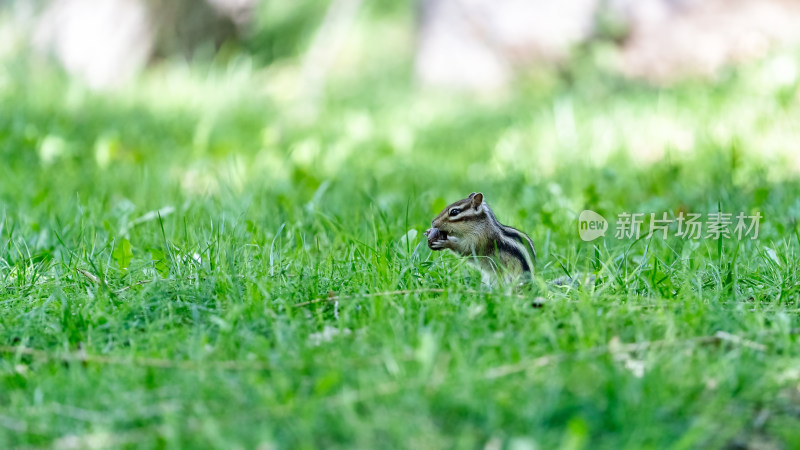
column 473, row 231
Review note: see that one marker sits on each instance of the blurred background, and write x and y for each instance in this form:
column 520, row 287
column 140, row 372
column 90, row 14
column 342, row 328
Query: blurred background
column 292, row 95
column 469, row 44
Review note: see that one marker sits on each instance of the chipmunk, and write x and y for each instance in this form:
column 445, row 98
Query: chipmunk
column 468, row 227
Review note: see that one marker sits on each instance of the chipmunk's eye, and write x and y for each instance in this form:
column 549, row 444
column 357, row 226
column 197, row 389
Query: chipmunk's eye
column 455, row 212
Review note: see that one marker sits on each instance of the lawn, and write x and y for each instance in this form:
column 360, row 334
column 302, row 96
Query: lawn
column 192, row 262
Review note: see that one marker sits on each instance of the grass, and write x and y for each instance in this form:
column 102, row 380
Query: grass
column 187, row 271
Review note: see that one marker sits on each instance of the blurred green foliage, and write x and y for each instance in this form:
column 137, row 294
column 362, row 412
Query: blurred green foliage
column 283, row 29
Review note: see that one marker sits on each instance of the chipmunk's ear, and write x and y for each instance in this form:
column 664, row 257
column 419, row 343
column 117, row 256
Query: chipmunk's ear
column 477, row 199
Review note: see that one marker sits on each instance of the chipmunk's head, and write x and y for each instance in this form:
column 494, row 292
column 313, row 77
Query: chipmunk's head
column 459, row 223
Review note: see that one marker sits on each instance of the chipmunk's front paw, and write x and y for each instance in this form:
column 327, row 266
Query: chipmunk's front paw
column 438, row 245
column 437, row 239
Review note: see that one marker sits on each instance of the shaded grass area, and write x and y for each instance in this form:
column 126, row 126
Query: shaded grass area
column 152, row 259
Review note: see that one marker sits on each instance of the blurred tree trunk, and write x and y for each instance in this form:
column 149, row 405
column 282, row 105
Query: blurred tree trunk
column 107, row 41
column 477, row 44
column 669, row 40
